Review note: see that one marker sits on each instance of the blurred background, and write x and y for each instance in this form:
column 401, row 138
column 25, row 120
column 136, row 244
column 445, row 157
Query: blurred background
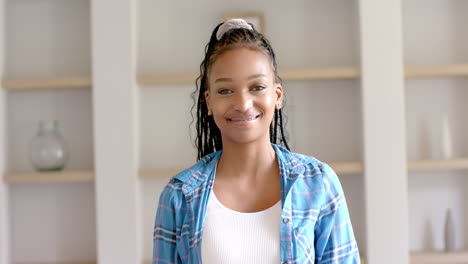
column 47, row 67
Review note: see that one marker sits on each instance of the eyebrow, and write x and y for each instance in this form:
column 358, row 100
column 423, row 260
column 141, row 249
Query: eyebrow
column 260, row 75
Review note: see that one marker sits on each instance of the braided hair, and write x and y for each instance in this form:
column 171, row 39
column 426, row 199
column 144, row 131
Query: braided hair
column 208, row 138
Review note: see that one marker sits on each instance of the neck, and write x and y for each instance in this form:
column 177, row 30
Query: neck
column 249, row 160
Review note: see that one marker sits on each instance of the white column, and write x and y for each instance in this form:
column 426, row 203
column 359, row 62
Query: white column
column 4, row 197
column 383, row 111
column 115, row 102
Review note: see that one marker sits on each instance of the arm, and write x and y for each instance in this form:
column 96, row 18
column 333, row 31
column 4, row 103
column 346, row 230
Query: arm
column 166, row 231
column 335, row 242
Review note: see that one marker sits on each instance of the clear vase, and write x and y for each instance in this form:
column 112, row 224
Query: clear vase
column 48, row 151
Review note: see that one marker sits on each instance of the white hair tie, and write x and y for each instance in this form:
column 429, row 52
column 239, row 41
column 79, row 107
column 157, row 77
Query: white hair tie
column 230, row 24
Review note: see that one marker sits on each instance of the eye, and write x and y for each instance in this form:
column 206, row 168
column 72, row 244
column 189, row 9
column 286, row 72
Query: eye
column 258, row 87
column 224, row 91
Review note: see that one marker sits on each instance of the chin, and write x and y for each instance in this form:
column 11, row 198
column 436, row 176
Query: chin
column 244, row 138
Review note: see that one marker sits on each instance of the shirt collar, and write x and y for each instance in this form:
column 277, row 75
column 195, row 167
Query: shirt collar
column 290, row 165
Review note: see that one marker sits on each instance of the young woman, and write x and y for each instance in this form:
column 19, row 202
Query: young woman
column 248, row 200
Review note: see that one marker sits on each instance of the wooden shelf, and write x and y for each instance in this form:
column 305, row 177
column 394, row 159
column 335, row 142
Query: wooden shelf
column 452, row 164
column 341, row 168
column 306, row 74
column 66, row 262
column 439, row 257
column 413, row 165
column 343, row 73
column 318, row 74
column 49, row 177
column 47, row 83
column 351, row 167
column 435, row 71
column 460, row 257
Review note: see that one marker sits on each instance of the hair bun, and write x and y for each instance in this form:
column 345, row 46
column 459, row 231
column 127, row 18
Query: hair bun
column 230, row 24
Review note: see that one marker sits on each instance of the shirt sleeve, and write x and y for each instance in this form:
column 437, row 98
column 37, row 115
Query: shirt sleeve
column 334, row 237
column 166, row 231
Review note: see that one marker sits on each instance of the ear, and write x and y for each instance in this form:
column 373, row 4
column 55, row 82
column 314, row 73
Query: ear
column 207, row 101
column 279, row 96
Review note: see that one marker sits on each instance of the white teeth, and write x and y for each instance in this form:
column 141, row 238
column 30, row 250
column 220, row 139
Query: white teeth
column 244, row 119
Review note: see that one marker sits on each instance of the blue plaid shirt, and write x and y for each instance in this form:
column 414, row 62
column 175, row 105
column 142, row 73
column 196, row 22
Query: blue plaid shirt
column 315, row 226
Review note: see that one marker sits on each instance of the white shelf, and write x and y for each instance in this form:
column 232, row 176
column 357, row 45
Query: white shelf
column 49, row 177
column 439, row 257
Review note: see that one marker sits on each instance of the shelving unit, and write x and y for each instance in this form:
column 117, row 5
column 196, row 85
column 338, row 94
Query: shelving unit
column 434, row 93
column 340, row 77
column 45, row 74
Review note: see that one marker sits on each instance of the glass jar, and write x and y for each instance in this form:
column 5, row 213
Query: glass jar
column 48, row 151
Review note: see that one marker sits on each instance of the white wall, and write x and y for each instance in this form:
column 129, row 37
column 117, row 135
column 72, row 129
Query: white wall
column 47, row 38
column 303, row 33
column 434, row 31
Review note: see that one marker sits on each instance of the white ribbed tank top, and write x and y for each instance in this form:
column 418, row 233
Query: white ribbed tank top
column 231, row 237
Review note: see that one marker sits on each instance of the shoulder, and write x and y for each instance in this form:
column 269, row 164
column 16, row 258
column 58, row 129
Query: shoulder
column 310, row 166
column 191, row 178
column 314, row 174
column 314, row 179
column 172, row 194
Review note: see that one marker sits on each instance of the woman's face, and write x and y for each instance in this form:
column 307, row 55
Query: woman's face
column 243, row 95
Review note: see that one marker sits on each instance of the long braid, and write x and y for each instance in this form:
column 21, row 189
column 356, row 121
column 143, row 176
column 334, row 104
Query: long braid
column 284, row 141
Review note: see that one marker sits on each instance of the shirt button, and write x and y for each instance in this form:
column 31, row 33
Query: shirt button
column 285, row 220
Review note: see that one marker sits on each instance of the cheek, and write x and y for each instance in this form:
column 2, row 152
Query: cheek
column 218, row 109
column 270, row 102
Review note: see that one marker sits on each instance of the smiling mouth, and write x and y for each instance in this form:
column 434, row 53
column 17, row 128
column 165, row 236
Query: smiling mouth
column 242, row 121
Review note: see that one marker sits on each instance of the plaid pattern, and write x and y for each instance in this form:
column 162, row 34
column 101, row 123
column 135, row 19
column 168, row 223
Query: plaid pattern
column 315, row 226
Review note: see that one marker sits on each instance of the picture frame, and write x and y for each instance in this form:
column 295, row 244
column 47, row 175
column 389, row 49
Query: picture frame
column 255, row 18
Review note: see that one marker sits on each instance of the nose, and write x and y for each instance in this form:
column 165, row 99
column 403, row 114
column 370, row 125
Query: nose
column 243, row 101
